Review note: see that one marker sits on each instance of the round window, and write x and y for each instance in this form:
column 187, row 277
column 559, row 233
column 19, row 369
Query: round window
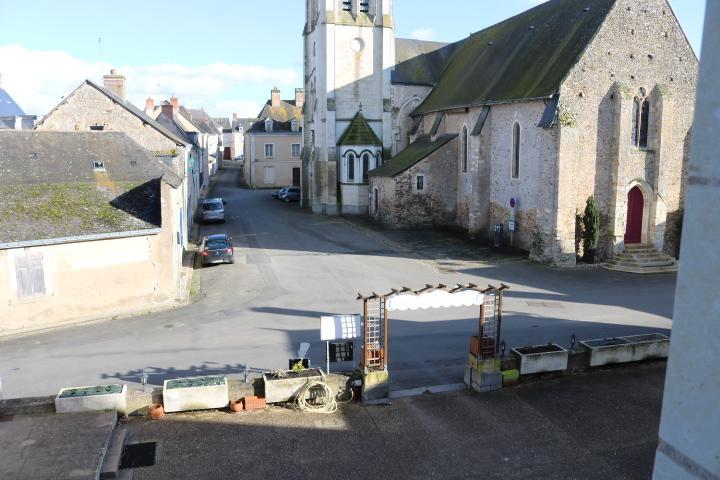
column 357, row 44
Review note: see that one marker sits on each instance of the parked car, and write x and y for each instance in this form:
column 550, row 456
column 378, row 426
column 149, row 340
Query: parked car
column 291, row 195
column 213, row 210
column 276, row 194
column 217, row 249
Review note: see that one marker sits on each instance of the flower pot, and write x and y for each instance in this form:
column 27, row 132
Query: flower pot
column 156, row 411
column 236, row 406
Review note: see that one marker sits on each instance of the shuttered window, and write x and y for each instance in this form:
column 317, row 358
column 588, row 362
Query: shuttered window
column 30, row 275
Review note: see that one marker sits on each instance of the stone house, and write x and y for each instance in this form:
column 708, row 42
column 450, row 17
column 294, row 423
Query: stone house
column 91, row 107
column 90, row 227
column 562, row 102
column 272, row 154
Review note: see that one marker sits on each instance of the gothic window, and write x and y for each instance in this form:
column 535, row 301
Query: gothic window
column 351, row 167
column 464, row 150
column 640, row 122
column 634, row 134
column 644, row 118
column 365, row 166
column 516, row 152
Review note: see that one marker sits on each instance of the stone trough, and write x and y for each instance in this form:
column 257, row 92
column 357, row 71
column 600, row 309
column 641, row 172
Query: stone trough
column 631, row 348
column 541, row 358
column 286, row 388
column 195, row 393
column 92, row 398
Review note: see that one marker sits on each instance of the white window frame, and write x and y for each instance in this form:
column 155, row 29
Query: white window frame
column 292, row 150
column 272, row 150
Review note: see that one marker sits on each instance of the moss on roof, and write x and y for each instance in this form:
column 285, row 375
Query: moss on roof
column 414, row 153
column 359, row 132
column 526, row 56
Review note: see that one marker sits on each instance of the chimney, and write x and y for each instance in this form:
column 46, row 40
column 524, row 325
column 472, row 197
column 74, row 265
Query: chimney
column 115, row 83
column 175, row 104
column 275, row 97
column 234, row 117
column 167, row 110
column 299, row 97
column 149, row 105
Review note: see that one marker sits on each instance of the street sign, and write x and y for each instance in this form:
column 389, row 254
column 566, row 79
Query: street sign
column 339, row 327
column 511, row 225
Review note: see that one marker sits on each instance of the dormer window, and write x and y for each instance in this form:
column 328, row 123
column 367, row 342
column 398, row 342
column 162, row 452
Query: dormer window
column 269, row 125
column 294, row 125
column 98, row 166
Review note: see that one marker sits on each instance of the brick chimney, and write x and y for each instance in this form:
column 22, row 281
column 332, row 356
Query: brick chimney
column 175, row 104
column 149, row 105
column 167, row 110
column 234, row 117
column 115, row 83
column 299, row 97
column 275, row 97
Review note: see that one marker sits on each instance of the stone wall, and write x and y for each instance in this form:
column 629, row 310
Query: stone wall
column 641, row 47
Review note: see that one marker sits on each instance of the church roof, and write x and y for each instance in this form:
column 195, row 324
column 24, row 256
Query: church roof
column 8, row 107
column 419, row 62
column 411, row 155
column 359, row 132
column 524, row 57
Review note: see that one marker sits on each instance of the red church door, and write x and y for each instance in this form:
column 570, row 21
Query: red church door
column 636, row 204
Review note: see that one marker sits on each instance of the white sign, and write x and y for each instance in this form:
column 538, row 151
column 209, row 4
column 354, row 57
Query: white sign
column 434, row 299
column 511, row 225
column 340, row 327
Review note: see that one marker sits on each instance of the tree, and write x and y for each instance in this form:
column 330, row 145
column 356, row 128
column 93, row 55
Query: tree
column 591, row 230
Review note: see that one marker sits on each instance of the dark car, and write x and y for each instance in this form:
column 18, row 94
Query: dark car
column 291, row 195
column 276, row 194
column 217, row 249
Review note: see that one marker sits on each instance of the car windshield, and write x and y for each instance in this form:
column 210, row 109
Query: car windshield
column 212, row 206
column 216, row 244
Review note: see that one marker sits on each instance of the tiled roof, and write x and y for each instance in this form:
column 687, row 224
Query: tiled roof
column 359, row 132
column 523, row 57
column 50, row 187
column 414, row 153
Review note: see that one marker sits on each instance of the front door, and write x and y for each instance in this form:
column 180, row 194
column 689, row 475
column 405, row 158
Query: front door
column 296, row 176
column 636, row 204
column 269, row 176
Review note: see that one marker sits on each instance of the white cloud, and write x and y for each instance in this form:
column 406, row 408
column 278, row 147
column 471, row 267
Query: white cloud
column 37, row 80
column 423, row 34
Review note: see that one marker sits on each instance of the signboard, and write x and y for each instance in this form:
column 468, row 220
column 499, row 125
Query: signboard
column 340, row 327
column 511, row 225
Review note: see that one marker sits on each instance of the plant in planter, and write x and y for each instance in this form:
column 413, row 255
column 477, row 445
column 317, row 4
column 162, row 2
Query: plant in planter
column 237, row 406
column 156, row 411
column 284, row 385
column 591, row 230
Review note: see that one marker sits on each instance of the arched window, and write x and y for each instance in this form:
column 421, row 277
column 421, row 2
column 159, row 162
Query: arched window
column 644, row 118
column 351, row 167
column 464, row 150
column 365, row 166
column 516, row 151
column 378, row 160
column 634, row 135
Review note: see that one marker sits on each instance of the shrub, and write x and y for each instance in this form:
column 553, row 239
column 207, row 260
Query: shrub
column 591, row 230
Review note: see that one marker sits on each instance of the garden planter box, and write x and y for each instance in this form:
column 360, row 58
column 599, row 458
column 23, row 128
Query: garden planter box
column 279, row 390
column 195, row 393
column 541, row 358
column 631, row 348
column 90, row 399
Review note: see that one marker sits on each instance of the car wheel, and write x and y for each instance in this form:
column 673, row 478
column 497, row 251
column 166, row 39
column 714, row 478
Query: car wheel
column 286, row 200
column 232, row 260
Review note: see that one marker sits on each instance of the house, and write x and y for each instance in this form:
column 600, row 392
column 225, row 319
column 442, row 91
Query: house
column 516, row 125
column 90, row 226
column 211, row 138
column 239, row 127
column 272, row 154
column 91, row 107
column 225, row 128
column 283, row 110
column 11, row 115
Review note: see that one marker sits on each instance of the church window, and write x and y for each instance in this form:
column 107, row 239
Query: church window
column 640, row 122
column 464, row 150
column 351, row 167
column 635, row 125
column 365, row 6
column 365, row 166
column 347, row 5
column 516, row 151
column 420, row 183
column 644, row 118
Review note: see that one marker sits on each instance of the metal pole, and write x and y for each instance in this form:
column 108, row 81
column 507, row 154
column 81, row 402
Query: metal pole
column 385, row 335
column 365, row 334
column 327, row 355
column 499, row 319
column 480, row 328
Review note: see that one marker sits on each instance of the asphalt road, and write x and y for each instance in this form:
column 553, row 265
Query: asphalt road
column 293, row 266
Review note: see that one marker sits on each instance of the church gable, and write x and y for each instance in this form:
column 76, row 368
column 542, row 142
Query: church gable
column 524, row 57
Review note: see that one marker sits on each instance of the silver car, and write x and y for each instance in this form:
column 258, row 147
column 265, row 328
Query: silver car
column 213, row 210
column 217, row 249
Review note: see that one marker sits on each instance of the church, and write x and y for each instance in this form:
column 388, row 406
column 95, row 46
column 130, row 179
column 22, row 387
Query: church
column 516, row 125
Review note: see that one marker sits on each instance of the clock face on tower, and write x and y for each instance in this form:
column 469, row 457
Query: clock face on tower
column 357, row 45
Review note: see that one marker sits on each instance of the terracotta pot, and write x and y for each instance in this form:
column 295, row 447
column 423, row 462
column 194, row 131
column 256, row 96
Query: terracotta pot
column 156, row 411
column 236, row 406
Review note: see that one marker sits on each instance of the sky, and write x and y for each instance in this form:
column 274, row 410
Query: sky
column 224, row 57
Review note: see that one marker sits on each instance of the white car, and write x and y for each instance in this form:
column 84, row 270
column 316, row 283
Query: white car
column 213, row 210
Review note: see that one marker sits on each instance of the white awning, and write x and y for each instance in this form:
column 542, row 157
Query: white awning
column 434, row 299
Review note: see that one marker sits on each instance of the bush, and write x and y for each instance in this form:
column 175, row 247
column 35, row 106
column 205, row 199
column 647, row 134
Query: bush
column 591, row 230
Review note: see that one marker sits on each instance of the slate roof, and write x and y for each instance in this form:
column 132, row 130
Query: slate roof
column 411, row 155
column 419, row 62
column 222, row 122
column 286, row 111
column 524, row 57
column 8, row 107
column 359, row 132
column 278, row 127
column 201, row 119
column 127, row 106
column 49, row 188
column 245, row 123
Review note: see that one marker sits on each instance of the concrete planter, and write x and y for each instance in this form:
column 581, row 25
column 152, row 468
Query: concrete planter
column 279, row 390
column 93, row 398
column 541, row 358
column 632, row 348
column 195, row 393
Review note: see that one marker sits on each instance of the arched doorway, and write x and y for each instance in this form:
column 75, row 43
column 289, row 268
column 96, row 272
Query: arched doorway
column 633, row 226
